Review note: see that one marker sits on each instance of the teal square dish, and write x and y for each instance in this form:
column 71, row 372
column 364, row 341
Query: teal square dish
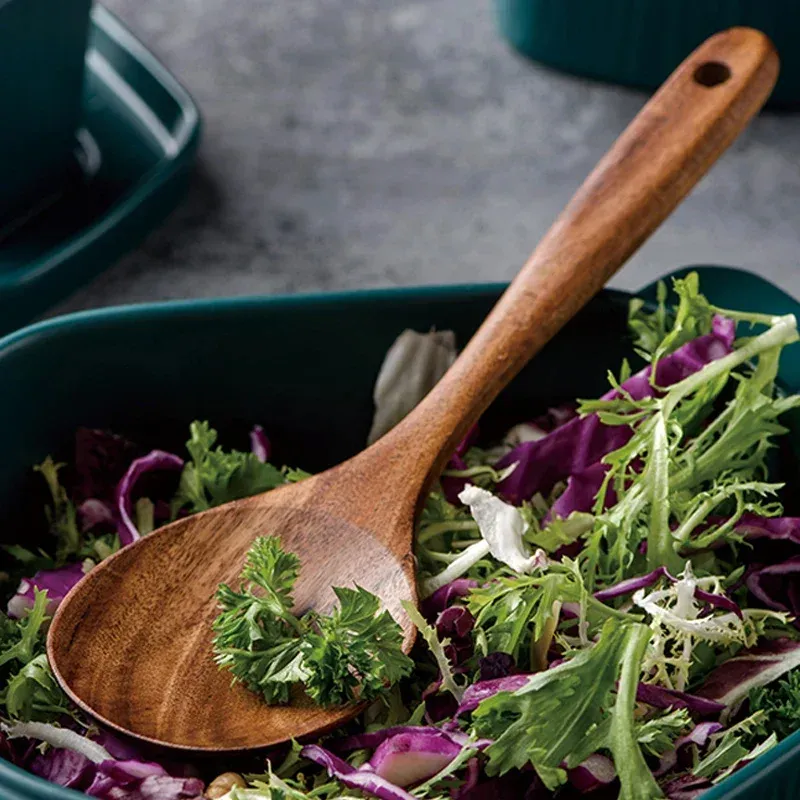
column 640, row 42
column 304, row 367
column 137, row 135
column 42, row 46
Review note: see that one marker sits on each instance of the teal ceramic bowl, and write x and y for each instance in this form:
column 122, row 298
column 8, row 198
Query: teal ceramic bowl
column 640, row 42
column 303, row 367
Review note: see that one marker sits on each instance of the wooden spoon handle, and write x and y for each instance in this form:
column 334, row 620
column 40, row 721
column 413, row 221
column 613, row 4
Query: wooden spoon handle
column 662, row 154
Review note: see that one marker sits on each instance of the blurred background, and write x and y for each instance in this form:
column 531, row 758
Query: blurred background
column 355, row 143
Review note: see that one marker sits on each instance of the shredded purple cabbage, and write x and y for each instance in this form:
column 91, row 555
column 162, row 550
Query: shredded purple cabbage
column 56, row 582
column 362, row 779
column 410, row 757
column 515, row 785
column 452, row 486
column 581, row 492
column 369, row 741
column 597, row 771
column 583, row 441
column 777, row 586
column 439, row 706
column 478, row 692
column 733, row 679
column 65, row 768
column 94, row 513
column 633, row 584
column 718, row 601
column 455, row 624
column 114, row 780
column 101, row 459
column 260, row 444
column 753, row 526
column 679, row 755
column 495, row 665
column 687, row 787
column 658, row 697
column 445, row 596
column 155, row 460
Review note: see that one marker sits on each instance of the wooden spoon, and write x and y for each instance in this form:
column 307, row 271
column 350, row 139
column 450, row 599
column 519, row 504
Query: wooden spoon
column 131, row 644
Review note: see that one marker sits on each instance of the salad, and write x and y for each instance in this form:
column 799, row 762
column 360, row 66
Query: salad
column 609, row 594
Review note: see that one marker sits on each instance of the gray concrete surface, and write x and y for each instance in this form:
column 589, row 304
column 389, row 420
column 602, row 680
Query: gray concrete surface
column 355, row 143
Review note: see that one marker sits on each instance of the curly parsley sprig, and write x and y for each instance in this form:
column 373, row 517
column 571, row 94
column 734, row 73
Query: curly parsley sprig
column 347, row 656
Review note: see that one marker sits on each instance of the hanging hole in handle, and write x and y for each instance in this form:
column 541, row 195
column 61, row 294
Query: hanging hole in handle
column 712, row 73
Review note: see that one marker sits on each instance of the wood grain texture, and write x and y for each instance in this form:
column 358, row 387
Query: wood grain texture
column 132, row 643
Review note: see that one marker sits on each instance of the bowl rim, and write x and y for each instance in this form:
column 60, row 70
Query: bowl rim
column 155, row 310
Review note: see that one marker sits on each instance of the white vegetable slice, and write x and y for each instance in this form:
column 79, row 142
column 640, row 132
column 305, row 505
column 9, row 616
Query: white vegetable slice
column 413, row 366
column 502, row 528
column 58, row 737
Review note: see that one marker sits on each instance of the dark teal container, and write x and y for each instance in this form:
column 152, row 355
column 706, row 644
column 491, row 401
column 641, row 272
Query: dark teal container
column 640, row 42
column 42, row 47
column 139, row 132
column 304, row 368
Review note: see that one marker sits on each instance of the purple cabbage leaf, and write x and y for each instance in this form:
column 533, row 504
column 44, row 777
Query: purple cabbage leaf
column 733, row 679
column 583, row 441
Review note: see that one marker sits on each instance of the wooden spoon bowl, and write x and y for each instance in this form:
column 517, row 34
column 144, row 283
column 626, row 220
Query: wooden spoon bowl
column 171, row 625
column 131, row 644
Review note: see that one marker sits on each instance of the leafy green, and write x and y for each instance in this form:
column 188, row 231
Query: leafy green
column 558, row 532
column 213, row 476
column 780, row 702
column 649, row 327
column 512, row 613
column 21, row 640
column 61, row 515
column 663, row 331
column 635, row 778
column 658, row 735
column 274, row 786
column 691, row 471
column 347, row 656
column 751, row 755
column 34, row 694
column 30, row 691
column 441, row 529
column 437, row 650
column 728, row 749
column 548, row 719
column 680, row 627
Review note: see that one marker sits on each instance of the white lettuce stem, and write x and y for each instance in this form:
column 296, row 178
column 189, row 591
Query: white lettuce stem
column 436, row 528
column 59, row 738
column 659, row 541
column 468, row 559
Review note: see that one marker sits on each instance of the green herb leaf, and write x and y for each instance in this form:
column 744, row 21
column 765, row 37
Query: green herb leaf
column 357, row 647
column 213, row 476
column 347, row 656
